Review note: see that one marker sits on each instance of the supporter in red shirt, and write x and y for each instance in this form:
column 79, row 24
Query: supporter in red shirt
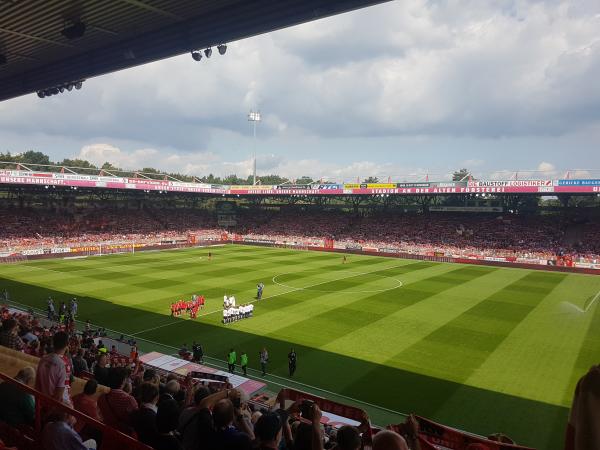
column 86, row 401
column 117, row 406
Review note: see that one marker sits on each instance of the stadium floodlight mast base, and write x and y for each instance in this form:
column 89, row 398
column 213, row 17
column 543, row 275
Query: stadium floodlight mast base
column 254, row 117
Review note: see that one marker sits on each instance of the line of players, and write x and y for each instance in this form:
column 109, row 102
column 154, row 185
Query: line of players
column 190, row 307
column 233, row 313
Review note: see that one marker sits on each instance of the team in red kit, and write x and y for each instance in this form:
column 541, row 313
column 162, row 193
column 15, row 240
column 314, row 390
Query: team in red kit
column 191, row 307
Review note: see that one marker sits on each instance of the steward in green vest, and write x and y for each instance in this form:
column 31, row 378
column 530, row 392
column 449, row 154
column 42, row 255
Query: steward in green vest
column 244, row 362
column 231, row 360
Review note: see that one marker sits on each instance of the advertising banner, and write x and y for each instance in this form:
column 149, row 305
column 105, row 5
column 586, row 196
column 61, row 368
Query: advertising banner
column 510, row 183
column 33, row 251
column 495, row 209
column 578, row 182
column 403, row 188
column 60, row 250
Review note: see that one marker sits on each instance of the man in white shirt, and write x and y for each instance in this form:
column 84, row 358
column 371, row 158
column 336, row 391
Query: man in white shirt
column 232, row 300
column 224, row 316
column 251, row 309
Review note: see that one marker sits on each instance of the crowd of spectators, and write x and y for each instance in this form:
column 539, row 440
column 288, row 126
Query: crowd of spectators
column 169, row 412
column 164, row 411
column 32, row 227
column 452, row 234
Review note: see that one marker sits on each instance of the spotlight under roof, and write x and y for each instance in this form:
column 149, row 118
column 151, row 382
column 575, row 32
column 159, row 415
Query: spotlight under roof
column 74, row 31
column 197, row 55
column 208, row 52
column 222, row 49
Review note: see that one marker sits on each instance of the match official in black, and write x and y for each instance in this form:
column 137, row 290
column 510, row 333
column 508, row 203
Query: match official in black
column 292, row 362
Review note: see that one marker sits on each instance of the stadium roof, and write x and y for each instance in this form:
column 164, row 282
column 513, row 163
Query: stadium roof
column 43, row 44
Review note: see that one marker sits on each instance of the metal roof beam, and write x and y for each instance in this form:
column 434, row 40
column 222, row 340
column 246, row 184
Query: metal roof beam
column 154, row 9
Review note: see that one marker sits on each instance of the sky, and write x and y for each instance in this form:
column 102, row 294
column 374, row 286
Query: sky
column 398, row 90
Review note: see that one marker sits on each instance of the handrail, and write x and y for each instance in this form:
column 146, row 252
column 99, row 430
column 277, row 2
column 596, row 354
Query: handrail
column 112, row 439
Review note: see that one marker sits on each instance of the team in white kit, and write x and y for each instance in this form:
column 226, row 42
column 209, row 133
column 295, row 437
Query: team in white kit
column 233, row 313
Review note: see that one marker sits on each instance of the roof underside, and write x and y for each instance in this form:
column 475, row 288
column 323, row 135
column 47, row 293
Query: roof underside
column 125, row 33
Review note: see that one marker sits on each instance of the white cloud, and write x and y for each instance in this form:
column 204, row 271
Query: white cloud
column 480, row 69
column 546, row 167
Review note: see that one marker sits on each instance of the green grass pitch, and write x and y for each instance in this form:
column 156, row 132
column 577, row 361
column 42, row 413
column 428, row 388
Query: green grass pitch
column 481, row 348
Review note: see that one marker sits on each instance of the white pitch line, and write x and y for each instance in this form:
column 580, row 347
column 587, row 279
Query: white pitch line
column 355, row 274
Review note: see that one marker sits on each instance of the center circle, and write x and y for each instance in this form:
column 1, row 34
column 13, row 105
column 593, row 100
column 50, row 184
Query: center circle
column 348, row 282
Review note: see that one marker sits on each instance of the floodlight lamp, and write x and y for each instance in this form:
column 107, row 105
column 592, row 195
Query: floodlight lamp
column 74, row 31
column 41, row 94
column 78, row 84
column 222, row 49
column 70, row 87
column 196, row 55
column 208, row 52
column 254, row 116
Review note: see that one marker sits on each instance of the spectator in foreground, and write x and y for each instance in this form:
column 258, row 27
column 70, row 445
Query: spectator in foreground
column 143, row 420
column 389, row 440
column 60, row 435
column 195, row 422
column 9, row 335
column 101, row 370
column 51, row 378
column 86, row 402
column 583, row 428
column 80, row 365
column 117, row 406
column 18, row 407
column 227, row 436
column 348, row 438
column 268, row 431
column 167, row 418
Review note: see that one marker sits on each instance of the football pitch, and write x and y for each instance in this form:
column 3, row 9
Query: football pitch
column 484, row 349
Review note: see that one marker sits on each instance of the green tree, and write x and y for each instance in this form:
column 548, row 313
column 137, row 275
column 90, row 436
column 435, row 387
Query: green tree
column 269, row 180
column 77, row 163
column 460, row 175
column 33, row 157
column 304, row 180
column 371, row 180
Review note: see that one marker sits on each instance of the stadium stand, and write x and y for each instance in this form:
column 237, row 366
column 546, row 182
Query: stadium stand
column 165, row 410
column 472, row 235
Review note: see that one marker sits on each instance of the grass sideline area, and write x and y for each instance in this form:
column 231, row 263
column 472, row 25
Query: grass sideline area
column 483, row 349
